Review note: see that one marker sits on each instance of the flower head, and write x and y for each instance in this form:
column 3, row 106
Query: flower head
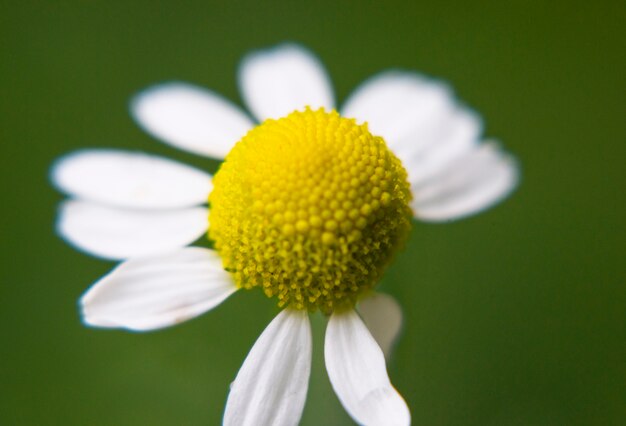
column 310, row 206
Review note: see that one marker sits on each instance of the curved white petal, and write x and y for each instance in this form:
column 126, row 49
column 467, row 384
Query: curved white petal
column 442, row 141
column 116, row 234
column 383, row 317
column 130, row 179
column 190, row 118
column 144, row 294
column 288, row 77
column 438, row 141
column 271, row 386
column 399, row 106
column 357, row 372
column 467, row 185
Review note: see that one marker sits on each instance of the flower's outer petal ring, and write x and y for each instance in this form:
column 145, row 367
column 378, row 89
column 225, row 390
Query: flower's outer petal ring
column 118, row 234
column 383, row 317
column 467, row 185
column 271, row 386
column 357, row 372
column 280, row 80
column 130, row 180
column 149, row 293
column 190, row 118
column 433, row 135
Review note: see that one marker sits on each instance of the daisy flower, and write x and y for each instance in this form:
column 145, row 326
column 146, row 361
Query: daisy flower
column 310, row 206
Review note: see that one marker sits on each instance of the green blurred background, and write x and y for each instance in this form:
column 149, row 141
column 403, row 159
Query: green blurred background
column 513, row 317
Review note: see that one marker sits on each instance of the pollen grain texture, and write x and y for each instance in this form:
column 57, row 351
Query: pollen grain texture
column 311, row 208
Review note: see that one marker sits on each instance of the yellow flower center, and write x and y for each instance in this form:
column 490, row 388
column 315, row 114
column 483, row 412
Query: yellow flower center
column 311, row 208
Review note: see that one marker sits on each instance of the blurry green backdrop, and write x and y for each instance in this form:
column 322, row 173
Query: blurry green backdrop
column 513, row 317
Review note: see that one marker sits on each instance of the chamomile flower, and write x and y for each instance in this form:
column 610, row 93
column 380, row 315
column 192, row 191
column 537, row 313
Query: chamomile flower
column 310, row 206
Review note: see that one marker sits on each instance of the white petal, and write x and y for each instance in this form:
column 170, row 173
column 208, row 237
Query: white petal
column 277, row 81
column 467, row 185
column 149, row 293
column 443, row 141
column 383, row 316
column 438, row 141
column 357, row 372
column 190, row 118
column 271, row 386
column 399, row 105
column 418, row 117
column 129, row 179
column 113, row 233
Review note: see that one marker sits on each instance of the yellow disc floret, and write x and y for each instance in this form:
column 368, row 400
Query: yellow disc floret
column 311, row 208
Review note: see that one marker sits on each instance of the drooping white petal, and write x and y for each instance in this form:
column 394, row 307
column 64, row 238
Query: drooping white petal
column 438, row 142
column 288, row 77
column 383, row 317
column 443, row 141
column 467, row 185
column 113, row 233
column 357, row 372
column 148, row 293
column 399, row 105
column 190, row 118
column 130, row 179
column 271, row 386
